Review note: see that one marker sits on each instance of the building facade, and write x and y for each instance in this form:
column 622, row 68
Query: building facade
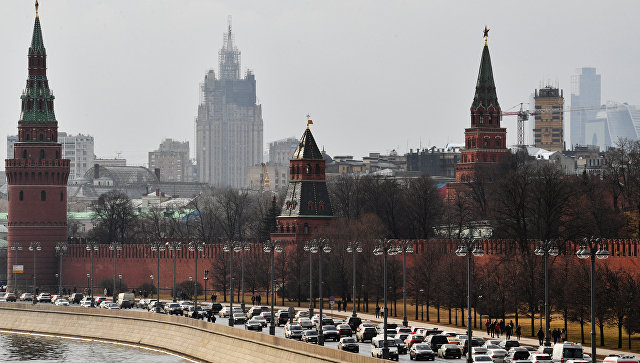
column 306, row 212
column 229, row 122
column 37, row 176
column 78, row 149
column 585, row 102
column 172, row 158
column 548, row 132
column 485, row 140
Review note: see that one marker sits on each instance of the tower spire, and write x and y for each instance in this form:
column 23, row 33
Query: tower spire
column 37, row 8
column 485, row 95
column 486, row 34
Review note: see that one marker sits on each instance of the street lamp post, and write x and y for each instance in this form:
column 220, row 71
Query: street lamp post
column 245, row 246
column 34, row 246
column 272, row 246
column 91, row 247
column 385, row 248
column 15, row 247
column 592, row 248
column 230, row 247
column 205, row 278
column 307, row 248
column 115, row 247
column 422, row 302
column 405, row 246
column 88, row 276
column 120, row 281
column 61, row 250
column 157, row 247
column 196, row 247
column 546, row 248
column 321, row 247
column 469, row 248
column 353, row 248
column 174, row 246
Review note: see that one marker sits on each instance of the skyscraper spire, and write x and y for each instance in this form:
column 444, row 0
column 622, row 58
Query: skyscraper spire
column 229, row 56
column 37, row 8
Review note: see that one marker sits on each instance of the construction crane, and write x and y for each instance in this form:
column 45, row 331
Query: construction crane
column 523, row 116
column 265, row 176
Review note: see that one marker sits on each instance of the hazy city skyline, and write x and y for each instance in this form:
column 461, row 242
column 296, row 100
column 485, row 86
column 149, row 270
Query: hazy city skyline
column 394, row 74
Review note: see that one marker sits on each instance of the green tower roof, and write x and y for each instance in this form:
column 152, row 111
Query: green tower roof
column 485, row 87
column 307, row 148
column 37, row 44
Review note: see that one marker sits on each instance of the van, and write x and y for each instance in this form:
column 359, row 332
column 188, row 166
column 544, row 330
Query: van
column 565, row 351
column 377, row 344
column 616, row 358
column 126, row 300
column 436, row 341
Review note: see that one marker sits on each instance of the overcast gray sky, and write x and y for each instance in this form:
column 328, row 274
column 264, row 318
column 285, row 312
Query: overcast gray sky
column 374, row 75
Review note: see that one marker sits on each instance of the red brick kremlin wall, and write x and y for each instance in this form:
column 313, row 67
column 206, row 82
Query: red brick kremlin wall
column 137, row 262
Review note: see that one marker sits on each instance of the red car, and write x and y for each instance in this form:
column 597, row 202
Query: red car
column 413, row 339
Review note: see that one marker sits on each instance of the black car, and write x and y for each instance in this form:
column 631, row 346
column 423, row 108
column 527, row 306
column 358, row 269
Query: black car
column 354, row 322
column 310, row 336
column 421, row 351
column 475, row 342
column 344, row 330
column 216, row 307
column 435, row 341
column 75, row 298
column 330, row 332
column 282, row 317
column 402, row 348
column 349, row 344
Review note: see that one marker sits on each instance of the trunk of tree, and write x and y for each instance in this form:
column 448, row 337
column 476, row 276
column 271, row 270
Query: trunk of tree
column 438, row 310
column 299, row 294
column 475, row 319
column 602, row 335
column 565, row 322
column 620, row 331
column 427, row 302
column 462, row 316
column 517, row 316
column 582, row 330
column 449, row 314
column 533, row 322
column 224, row 293
column 455, row 311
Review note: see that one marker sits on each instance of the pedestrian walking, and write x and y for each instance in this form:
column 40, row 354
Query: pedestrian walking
column 507, row 331
column 377, row 311
column 253, row 299
column 497, row 330
column 540, row 336
column 339, row 305
column 344, row 306
column 518, row 331
column 487, row 324
column 563, row 335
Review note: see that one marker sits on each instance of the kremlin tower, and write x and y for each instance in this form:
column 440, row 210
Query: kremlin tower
column 307, row 211
column 37, row 180
column 485, row 140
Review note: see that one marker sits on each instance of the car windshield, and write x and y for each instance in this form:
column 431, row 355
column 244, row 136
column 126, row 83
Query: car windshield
column 493, row 346
column 295, row 327
column 348, row 340
column 399, row 341
column 422, row 347
column 417, row 337
column 390, row 343
column 259, row 317
column 311, row 332
column 450, row 346
column 572, row 353
column 329, row 327
column 482, row 358
column 543, row 357
column 520, row 354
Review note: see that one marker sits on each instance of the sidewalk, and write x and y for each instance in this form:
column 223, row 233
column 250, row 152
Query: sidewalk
column 602, row 352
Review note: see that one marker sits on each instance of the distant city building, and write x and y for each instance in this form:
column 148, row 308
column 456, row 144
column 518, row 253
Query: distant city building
column 172, row 158
column 278, row 177
column 344, row 165
column 549, row 120
column 280, row 151
column 229, row 122
column 377, row 162
column 110, row 162
column 77, row 148
column 585, row 102
column 435, row 161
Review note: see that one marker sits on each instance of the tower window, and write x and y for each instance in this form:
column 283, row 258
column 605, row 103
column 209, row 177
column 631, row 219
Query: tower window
column 310, row 205
column 43, row 195
column 21, row 197
column 318, row 169
column 41, row 153
column 306, row 228
column 41, row 137
column 24, row 154
column 27, row 137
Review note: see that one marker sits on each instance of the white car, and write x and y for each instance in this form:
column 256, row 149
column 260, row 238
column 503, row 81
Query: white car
column 85, row 303
column 62, row 302
column 111, row 306
column 497, row 354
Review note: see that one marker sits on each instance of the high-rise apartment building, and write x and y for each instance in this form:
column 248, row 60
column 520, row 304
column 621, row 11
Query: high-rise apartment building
column 172, row 158
column 78, row 149
column 548, row 133
column 229, row 122
column 585, row 100
column 280, row 151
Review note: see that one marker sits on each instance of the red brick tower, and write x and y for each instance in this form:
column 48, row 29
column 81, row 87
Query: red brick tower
column 485, row 140
column 37, row 177
column 307, row 211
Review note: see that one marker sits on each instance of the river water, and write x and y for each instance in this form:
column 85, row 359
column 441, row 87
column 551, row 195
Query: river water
column 35, row 348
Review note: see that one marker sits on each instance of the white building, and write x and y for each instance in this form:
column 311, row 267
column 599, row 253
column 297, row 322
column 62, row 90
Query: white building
column 77, row 148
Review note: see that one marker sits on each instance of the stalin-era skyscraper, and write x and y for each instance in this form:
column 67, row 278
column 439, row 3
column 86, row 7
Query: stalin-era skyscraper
column 37, row 178
column 229, row 122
